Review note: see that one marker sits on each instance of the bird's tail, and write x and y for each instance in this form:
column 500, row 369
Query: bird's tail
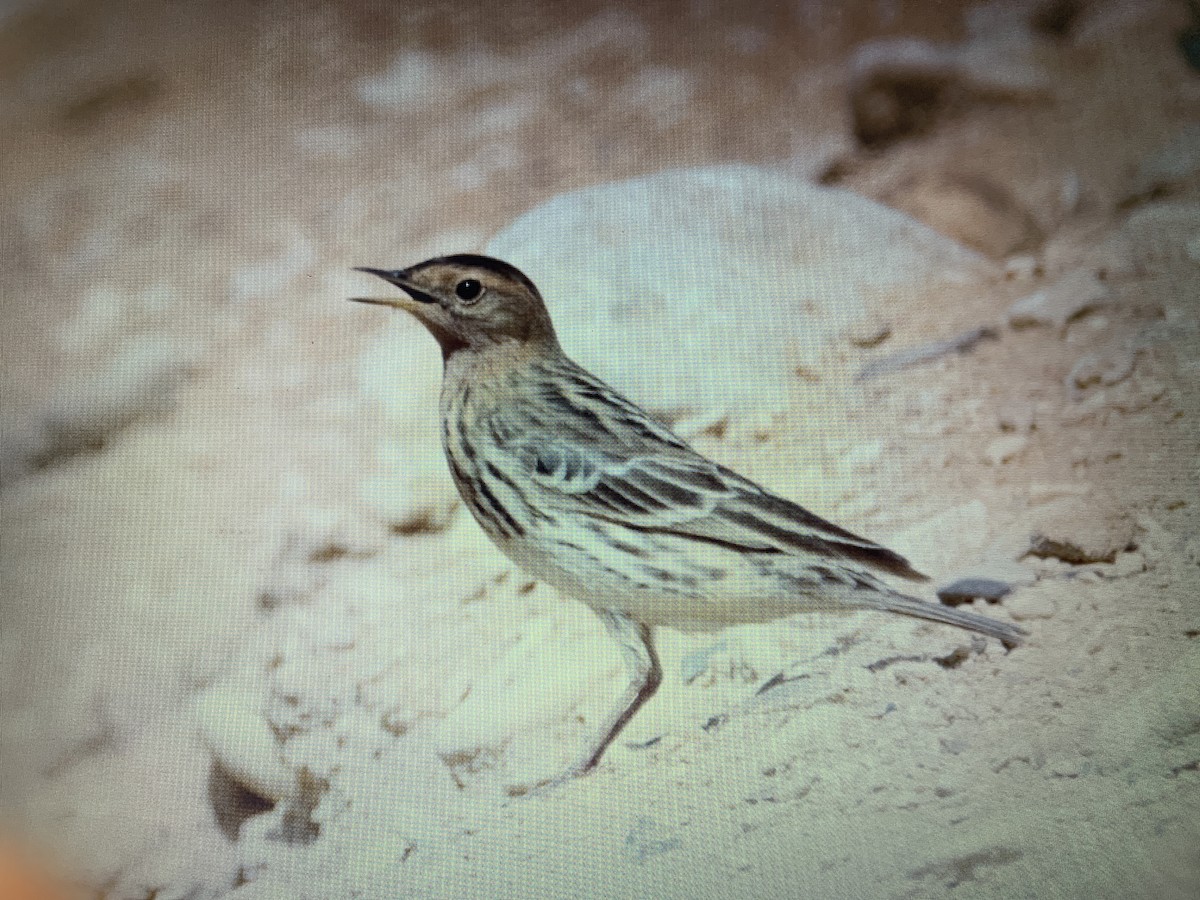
column 1008, row 634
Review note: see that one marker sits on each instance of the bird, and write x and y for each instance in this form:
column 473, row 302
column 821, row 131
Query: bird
column 584, row 490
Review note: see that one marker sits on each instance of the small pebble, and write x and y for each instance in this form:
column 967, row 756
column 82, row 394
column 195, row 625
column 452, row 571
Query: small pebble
column 1021, row 268
column 1138, row 394
column 1072, row 296
column 861, row 456
column 241, row 741
column 1089, row 406
column 1106, row 369
column 1005, row 448
column 1128, row 564
column 964, row 590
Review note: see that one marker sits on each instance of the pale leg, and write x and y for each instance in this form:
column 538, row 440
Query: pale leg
column 646, row 675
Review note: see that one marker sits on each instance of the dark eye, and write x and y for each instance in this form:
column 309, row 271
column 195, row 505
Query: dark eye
column 468, row 289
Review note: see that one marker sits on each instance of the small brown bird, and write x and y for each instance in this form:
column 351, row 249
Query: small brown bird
column 583, row 489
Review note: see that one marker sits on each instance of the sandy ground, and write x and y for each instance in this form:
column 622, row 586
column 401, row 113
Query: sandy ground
column 251, row 645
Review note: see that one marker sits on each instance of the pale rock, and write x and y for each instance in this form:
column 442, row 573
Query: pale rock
column 1128, row 564
column 1154, row 541
column 1076, row 532
column 1104, row 369
column 1092, row 404
column 858, row 507
column 233, row 728
column 1112, row 258
column 1072, row 296
column 692, row 427
column 1022, row 267
column 417, row 80
column 1137, row 394
column 1005, row 448
column 741, row 307
column 1017, row 416
column 319, row 538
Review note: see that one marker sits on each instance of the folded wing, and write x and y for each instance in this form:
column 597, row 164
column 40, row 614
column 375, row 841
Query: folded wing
column 675, row 490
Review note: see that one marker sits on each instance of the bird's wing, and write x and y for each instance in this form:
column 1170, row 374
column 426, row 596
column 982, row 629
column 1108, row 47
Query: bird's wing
column 675, row 490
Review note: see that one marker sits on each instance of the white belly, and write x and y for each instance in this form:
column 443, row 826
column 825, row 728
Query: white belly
column 664, row 579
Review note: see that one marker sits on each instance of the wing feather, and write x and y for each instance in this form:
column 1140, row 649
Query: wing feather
column 688, row 495
column 646, row 478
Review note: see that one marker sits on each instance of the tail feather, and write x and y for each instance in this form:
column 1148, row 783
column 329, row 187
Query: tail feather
column 1008, row 634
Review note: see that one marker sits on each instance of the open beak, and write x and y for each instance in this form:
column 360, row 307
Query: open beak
column 398, row 277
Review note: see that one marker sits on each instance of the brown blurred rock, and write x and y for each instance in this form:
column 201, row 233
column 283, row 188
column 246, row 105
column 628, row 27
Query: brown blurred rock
column 901, row 87
column 971, row 208
column 1076, row 532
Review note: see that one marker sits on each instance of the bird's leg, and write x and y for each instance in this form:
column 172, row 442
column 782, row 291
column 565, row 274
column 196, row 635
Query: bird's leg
column 638, row 649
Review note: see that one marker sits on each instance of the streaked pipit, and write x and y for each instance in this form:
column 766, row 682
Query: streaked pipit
column 584, row 490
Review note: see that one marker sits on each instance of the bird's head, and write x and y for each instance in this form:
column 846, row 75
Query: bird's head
column 469, row 301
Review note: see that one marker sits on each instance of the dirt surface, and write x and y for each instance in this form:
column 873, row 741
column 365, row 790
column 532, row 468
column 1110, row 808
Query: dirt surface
column 191, row 428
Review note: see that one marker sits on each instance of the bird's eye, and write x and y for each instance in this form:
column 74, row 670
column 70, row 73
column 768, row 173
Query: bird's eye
column 468, row 289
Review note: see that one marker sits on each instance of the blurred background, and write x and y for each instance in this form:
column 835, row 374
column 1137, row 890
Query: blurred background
column 196, row 433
